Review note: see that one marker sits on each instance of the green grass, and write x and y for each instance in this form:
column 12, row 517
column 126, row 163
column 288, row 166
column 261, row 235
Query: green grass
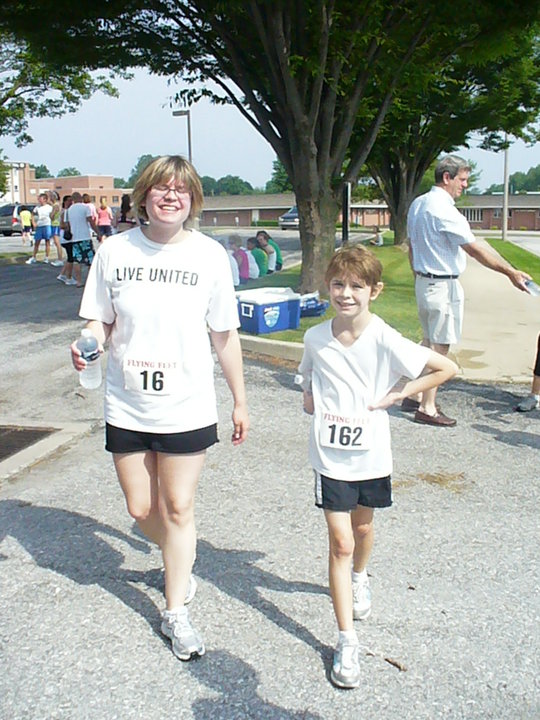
column 517, row 257
column 396, row 304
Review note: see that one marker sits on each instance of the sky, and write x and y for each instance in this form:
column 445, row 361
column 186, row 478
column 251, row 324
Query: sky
column 107, row 136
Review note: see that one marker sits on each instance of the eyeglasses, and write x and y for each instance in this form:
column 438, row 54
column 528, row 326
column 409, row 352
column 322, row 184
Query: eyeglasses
column 165, row 190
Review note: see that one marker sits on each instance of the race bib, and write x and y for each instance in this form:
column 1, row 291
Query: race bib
column 345, row 433
column 153, row 377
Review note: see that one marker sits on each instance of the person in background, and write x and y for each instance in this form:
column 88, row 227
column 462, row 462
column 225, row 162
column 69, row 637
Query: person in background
column 440, row 239
column 104, row 220
column 240, row 255
column 80, row 223
column 532, row 401
column 41, row 221
column 263, row 244
column 261, row 258
column 234, row 265
column 87, row 200
column 279, row 258
column 126, row 218
column 378, row 239
column 25, row 216
column 66, row 244
column 164, row 318
column 252, row 264
column 54, row 200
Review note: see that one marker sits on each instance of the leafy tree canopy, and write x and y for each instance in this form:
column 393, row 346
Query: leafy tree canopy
column 208, row 185
column 31, row 87
column 4, row 172
column 279, row 182
column 120, row 183
column 140, row 165
column 520, row 182
column 232, row 185
column 68, row 172
column 315, row 78
column 41, row 171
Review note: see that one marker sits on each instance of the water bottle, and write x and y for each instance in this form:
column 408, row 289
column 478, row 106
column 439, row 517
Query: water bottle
column 90, row 377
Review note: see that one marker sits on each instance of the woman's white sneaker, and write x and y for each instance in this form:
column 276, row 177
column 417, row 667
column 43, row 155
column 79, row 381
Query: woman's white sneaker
column 345, row 671
column 186, row 641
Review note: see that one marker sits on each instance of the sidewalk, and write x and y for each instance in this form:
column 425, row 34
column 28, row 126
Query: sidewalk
column 454, row 629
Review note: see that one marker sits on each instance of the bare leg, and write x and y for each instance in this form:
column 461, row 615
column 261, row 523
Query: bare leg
column 341, row 548
column 137, row 474
column 427, row 403
column 362, row 525
column 178, row 479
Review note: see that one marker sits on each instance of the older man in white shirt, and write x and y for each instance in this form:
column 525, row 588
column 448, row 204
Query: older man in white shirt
column 439, row 237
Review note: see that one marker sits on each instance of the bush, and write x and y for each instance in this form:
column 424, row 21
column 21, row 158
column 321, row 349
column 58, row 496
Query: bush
column 264, row 223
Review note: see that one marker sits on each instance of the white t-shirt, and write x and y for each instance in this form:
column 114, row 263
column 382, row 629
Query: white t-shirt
column 253, row 267
column 234, row 269
column 159, row 299
column 348, row 441
column 436, row 231
column 78, row 215
column 42, row 215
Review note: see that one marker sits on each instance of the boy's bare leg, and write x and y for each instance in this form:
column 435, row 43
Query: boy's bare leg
column 341, row 548
column 363, row 531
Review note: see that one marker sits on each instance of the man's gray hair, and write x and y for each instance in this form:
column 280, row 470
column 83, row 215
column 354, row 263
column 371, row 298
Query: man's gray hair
column 452, row 164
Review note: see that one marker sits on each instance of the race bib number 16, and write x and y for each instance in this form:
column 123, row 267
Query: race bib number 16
column 152, row 377
column 346, row 436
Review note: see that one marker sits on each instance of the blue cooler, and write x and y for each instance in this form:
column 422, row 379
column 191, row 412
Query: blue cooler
column 267, row 310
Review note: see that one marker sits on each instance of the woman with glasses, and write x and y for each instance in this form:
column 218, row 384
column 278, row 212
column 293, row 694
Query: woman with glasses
column 152, row 295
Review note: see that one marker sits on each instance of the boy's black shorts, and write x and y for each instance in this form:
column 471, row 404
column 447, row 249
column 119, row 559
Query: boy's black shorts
column 346, row 495
column 118, row 440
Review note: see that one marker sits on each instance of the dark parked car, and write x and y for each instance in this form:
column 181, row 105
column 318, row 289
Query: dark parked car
column 9, row 218
column 289, row 219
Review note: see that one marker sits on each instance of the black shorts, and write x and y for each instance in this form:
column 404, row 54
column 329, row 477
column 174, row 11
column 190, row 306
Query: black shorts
column 345, row 495
column 122, row 441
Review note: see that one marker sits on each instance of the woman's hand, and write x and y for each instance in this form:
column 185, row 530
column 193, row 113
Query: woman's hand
column 240, row 420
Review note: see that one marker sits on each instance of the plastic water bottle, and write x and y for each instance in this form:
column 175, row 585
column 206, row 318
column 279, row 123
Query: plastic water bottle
column 90, row 377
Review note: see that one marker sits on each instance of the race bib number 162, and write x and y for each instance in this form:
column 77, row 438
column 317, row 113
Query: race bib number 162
column 346, row 436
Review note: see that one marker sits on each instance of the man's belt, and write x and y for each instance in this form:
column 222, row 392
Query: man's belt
column 437, row 277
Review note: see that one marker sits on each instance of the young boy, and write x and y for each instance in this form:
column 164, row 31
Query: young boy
column 349, row 369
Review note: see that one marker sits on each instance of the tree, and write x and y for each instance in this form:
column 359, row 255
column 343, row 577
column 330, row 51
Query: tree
column 519, row 182
column 208, row 185
column 141, row 163
column 120, row 183
column 306, row 75
column 469, row 94
column 279, row 182
column 68, row 172
column 41, row 171
column 30, row 87
column 4, row 172
column 232, row 185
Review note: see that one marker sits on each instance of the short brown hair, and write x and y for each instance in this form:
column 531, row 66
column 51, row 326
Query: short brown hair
column 159, row 172
column 354, row 261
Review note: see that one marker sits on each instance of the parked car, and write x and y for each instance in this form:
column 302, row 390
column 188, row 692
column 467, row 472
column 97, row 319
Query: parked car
column 289, row 219
column 9, row 218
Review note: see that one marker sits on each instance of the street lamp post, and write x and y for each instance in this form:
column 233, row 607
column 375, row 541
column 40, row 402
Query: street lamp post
column 186, row 113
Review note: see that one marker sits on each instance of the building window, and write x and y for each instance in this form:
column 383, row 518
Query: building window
column 497, row 213
column 473, row 214
column 115, row 198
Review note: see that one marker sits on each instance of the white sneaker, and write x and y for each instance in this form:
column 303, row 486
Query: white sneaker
column 31, row 261
column 528, row 403
column 361, row 600
column 57, row 263
column 186, row 641
column 61, row 277
column 192, row 589
column 46, row 260
column 345, row 671
column 70, row 281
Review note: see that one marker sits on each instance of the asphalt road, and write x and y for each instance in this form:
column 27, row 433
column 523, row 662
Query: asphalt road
column 455, row 575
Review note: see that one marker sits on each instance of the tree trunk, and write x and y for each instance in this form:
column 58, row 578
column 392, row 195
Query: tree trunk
column 317, row 239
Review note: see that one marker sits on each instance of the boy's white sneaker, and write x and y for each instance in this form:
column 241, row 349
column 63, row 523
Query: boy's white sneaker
column 31, row 261
column 361, row 600
column 186, row 641
column 70, row 281
column 345, row 671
